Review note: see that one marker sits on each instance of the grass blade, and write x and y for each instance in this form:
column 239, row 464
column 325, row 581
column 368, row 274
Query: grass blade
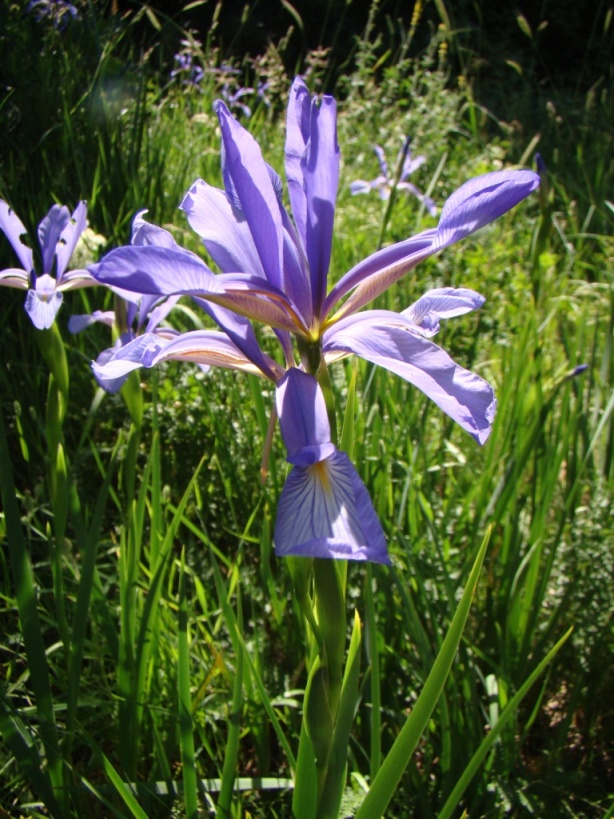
column 393, row 766
column 186, row 733
column 492, row 736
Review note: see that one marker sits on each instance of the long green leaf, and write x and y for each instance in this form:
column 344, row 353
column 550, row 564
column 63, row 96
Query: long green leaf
column 186, row 729
column 492, row 736
column 389, row 775
column 25, row 594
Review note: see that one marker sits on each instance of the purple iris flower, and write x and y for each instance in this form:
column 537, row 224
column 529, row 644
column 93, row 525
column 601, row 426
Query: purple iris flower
column 143, row 314
column 58, row 235
column 59, row 11
column 234, row 99
column 385, row 182
column 274, row 270
column 187, row 70
column 233, row 347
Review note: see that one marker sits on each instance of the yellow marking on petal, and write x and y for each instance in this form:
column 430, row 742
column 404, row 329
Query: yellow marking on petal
column 320, row 473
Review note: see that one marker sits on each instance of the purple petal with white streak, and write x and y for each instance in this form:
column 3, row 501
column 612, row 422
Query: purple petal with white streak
column 325, row 511
column 390, row 340
column 442, row 302
column 480, row 201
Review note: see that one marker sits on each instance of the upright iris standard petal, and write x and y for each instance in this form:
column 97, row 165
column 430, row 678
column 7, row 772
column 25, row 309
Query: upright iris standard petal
column 390, row 340
column 297, row 133
column 69, row 237
column 254, row 188
column 320, row 165
column 227, row 239
column 49, row 232
column 324, row 510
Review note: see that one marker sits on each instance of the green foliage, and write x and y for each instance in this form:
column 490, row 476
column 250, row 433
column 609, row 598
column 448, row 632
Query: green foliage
column 151, row 660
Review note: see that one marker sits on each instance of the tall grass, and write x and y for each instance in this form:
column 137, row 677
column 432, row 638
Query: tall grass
column 151, row 662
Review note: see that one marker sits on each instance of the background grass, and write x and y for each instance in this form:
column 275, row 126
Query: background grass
column 153, row 581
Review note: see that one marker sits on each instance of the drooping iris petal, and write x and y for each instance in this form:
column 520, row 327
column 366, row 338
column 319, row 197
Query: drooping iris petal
column 43, row 302
column 212, row 348
column 442, row 302
column 68, row 239
column 473, row 205
column 204, row 347
column 15, row 277
column 13, row 228
column 325, row 511
column 156, row 270
column 377, row 272
column 389, row 340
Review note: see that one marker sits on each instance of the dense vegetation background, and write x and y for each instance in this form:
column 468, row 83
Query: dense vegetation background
column 90, row 110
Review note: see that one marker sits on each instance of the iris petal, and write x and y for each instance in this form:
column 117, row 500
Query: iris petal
column 325, row 511
column 390, row 340
column 42, row 307
column 13, row 228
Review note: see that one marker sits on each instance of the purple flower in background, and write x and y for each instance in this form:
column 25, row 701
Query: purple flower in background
column 385, row 182
column 233, row 347
column 186, row 70
column 58, row 235
column 324, row 509
column 59, row 11
column 136, row 314
column 233, row 99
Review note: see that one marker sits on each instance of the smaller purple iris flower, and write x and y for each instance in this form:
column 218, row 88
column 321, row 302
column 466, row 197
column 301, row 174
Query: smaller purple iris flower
column 143, row 313
column 233, row 99
column 58, row 235
column 59, row 11
column 187, row 71
column 385, row 182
